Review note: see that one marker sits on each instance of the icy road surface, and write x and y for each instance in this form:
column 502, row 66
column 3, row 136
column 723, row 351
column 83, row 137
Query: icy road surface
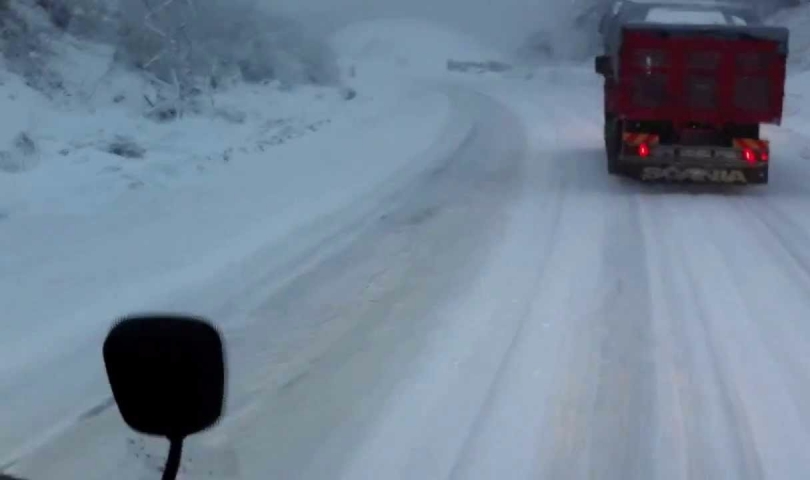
column 512, row 312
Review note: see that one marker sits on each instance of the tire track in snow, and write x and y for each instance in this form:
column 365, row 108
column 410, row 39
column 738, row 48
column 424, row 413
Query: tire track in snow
column 738, row 272
column 788, row 234
column 748, row 464
column 606, row 391
column 467, row 450
column 708, row 413
column 777, row 337
column 783, row 333
column 625, row 391
column 377, row 356
column 608, row 396
column 671, row 421
column 447, row 408
column 576, row 395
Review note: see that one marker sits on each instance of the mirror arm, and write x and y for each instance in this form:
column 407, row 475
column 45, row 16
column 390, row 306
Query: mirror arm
column 173, row 462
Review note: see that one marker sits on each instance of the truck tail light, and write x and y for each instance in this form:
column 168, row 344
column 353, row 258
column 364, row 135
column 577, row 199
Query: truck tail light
column 749, row 155
column 764, row 155
column 643, row 150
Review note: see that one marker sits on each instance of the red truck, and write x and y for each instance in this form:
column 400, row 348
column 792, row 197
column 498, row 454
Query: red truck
column 686, row 87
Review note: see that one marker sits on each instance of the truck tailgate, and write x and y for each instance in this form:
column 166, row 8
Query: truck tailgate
column 708, row 74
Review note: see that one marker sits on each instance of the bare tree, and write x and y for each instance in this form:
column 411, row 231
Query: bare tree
column 169, row 22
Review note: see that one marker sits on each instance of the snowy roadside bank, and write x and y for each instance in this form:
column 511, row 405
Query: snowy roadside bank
column 78, row 249
column 188, row 215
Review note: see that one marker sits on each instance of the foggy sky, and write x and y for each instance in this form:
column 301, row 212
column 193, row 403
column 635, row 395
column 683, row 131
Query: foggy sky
column 502, row 23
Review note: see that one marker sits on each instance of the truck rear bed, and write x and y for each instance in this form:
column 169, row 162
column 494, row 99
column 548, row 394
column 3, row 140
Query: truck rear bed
column 709, row 75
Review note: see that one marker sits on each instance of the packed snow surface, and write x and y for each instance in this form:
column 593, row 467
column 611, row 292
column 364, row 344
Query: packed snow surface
column 440, row 282
column 683, row 16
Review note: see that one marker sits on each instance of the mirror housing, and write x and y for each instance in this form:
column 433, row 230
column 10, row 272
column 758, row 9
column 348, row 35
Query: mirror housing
column 602, row 66
column 167, row 374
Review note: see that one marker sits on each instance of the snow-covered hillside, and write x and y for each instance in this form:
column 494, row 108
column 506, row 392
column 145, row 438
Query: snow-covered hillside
column 106, row 211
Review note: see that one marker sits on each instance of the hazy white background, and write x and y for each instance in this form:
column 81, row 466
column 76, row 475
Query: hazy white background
column 504, row 24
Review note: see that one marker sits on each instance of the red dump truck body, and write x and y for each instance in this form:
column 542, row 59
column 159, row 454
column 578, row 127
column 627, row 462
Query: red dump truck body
column 685, row 101
column 700, row 78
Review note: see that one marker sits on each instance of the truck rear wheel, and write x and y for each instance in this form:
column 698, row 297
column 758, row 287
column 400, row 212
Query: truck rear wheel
column 613, row 144
column 762, row 176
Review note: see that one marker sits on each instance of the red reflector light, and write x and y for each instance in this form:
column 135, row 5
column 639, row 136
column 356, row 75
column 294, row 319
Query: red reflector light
column 764, row 156
column 643, row 150
column 749, row 155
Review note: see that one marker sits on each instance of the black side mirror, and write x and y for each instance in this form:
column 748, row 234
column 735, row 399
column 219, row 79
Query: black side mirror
column 167, row 374
column 602, row 66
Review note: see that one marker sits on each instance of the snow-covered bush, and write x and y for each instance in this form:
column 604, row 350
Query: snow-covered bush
column 187, row 41
column 125, row 147
column 58, row 12
column 22, row 155
column 92, row 19
column 186, row 47
column 25, row 45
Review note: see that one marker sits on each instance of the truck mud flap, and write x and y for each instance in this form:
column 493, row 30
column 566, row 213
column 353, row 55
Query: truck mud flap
column 696, row 174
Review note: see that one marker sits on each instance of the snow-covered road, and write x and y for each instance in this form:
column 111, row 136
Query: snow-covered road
column 607, row 330
column 512, row 311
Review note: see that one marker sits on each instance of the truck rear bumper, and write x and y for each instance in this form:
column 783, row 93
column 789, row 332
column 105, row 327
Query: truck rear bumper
column 705, row 164
column 685, row 173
